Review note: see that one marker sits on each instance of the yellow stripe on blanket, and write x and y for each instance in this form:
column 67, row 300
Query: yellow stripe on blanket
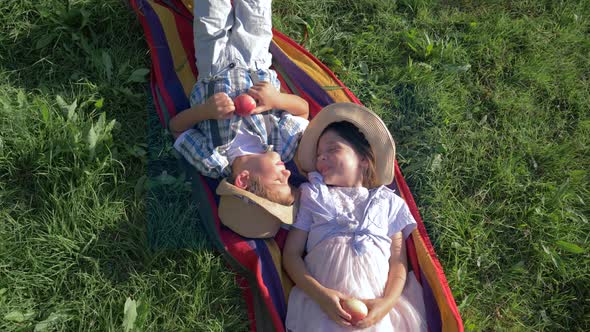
column 188, row 4
column 179, row 58
column 313, row 70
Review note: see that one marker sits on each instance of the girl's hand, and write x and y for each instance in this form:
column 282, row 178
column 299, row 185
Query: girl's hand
column 220, row 106
column 329, row 301
column 266, row 95
column 378, row 308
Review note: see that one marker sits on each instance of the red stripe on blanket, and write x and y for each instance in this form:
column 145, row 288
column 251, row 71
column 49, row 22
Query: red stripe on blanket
column 245, row 255
column 247, row 294
column 154, row 95
column 411, row 252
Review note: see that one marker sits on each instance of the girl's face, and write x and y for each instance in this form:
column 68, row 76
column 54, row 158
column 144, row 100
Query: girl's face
column 338, row 162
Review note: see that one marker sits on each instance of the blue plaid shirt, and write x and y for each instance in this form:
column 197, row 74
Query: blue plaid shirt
column 206, row 145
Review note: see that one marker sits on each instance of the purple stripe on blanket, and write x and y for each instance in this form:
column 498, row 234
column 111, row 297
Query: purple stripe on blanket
column 432, row 311
column 271, row 279
column 166, row 65
column 296, row 74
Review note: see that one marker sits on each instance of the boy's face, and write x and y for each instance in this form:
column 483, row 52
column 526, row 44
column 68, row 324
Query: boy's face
column 271, row 173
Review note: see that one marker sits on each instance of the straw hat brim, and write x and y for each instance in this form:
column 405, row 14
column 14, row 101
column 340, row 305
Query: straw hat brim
column 250, row 215
column 369, row 123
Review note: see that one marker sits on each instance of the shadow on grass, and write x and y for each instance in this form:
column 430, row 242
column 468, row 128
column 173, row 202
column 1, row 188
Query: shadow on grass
column 89, row 53
column 171, row 212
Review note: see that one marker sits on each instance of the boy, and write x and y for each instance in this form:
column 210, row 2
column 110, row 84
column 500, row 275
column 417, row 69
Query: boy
column 231, row 44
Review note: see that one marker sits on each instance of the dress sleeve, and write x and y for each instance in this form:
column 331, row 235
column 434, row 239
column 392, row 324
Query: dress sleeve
column 303, row 220
column 402, row 220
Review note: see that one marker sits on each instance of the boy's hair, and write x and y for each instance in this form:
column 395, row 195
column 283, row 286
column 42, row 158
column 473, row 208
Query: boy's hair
column 256, row 187
column 351, row 134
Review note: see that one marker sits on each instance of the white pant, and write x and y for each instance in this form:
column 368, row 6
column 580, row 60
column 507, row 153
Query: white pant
column 227, row 37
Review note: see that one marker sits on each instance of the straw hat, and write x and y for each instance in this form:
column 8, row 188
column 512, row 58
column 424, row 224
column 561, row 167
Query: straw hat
column 250, row 215
column 368, row 123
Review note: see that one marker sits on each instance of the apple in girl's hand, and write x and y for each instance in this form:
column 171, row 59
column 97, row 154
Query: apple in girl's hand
column 356, row 309
column 244, row 104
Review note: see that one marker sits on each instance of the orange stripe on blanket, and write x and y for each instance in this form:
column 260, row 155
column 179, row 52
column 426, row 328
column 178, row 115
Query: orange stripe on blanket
column 313, row 70
column 181, row 62
column 188, row 4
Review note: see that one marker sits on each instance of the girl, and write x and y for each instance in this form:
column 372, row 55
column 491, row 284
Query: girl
column 353, row 229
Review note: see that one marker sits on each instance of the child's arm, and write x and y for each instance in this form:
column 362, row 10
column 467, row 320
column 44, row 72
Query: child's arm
column 396, row 279
column 218, row 106
column 328, row 299
column 268, row 98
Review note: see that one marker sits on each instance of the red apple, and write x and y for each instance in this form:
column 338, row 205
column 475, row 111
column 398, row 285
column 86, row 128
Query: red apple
column 356, row 309
column 244, row 104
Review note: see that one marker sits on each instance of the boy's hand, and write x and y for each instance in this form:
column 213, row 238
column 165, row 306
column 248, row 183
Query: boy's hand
column 220, row 106
column 266, row 95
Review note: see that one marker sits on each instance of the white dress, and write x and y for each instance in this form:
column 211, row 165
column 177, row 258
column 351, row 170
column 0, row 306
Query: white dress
column 348, row 250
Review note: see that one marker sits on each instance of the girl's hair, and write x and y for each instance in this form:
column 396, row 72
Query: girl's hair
column 351, row 134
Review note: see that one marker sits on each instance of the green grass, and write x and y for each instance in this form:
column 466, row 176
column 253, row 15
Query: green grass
column 488, row 102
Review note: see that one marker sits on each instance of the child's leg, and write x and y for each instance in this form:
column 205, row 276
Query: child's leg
column 212, row 23
column 252, row 32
